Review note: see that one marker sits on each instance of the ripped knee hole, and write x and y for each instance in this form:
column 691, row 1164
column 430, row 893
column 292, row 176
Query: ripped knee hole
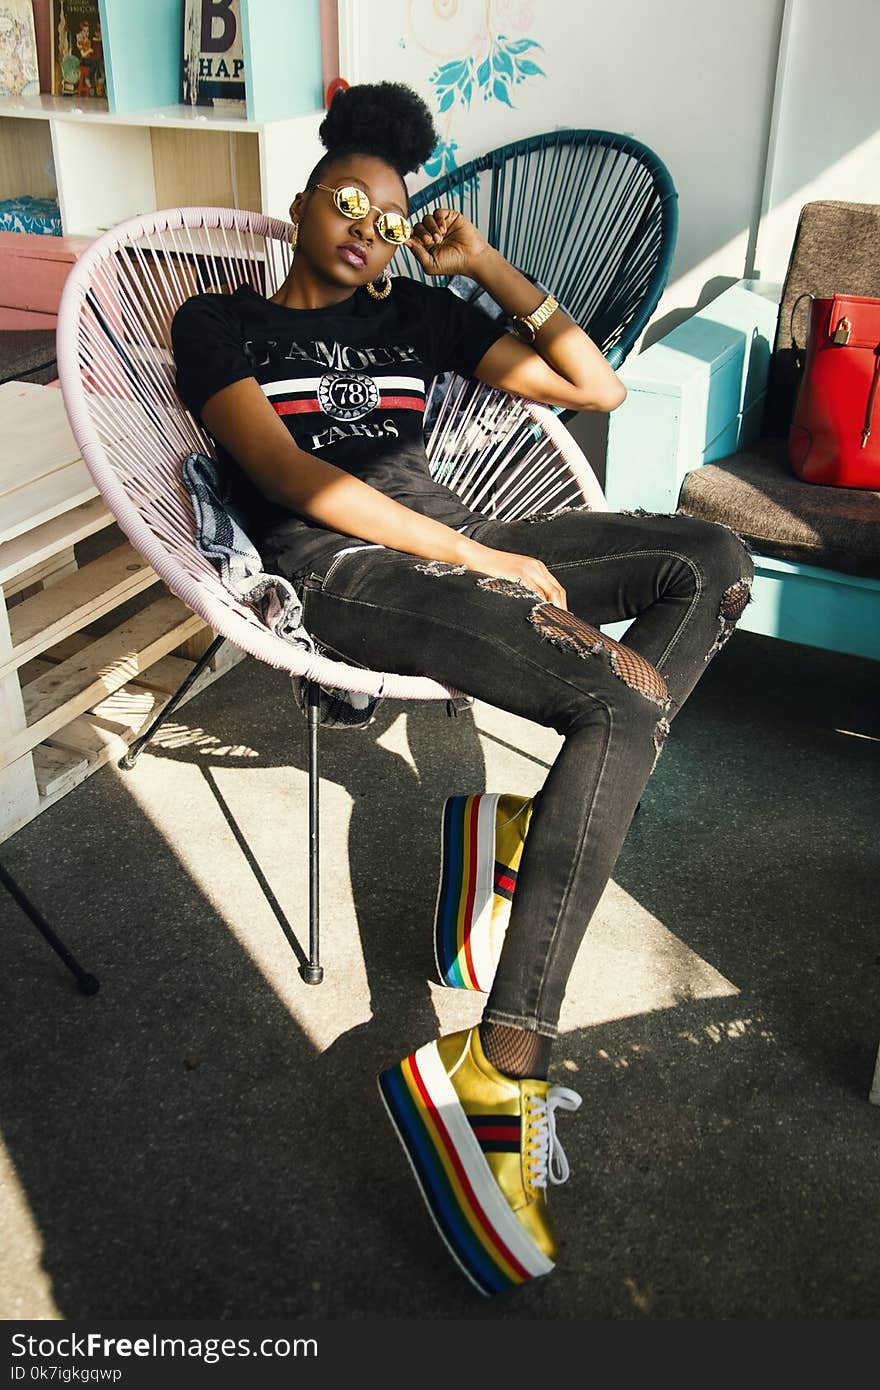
column 571, row 633
column 730, row 610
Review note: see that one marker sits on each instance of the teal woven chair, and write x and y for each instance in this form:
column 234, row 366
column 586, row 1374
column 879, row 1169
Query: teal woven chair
column 591, row 215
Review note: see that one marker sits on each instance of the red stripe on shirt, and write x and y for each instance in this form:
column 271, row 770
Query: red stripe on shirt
column 311, row 405
column 296, row 407
column 401, row 403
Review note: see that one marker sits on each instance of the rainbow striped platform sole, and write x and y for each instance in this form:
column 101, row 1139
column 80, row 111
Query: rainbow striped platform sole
column 481, row 845
column 468, row 1207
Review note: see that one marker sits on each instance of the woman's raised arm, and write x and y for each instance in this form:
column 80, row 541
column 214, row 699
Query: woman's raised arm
column 562, row 366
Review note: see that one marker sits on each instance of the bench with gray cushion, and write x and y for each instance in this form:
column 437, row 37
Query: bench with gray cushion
column 704, row 430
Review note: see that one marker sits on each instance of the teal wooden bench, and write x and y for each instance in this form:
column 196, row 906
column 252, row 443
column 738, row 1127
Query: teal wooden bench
column 700, row 395
column 696, row 396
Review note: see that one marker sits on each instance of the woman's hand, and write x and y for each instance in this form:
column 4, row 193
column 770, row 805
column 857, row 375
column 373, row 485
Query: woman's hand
column 522, row 569
column 444, row 242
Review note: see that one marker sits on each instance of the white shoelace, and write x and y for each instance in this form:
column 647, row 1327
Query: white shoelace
column 547, row 1157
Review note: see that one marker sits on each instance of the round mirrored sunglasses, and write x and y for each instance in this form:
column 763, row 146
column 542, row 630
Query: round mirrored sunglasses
column 354, row 204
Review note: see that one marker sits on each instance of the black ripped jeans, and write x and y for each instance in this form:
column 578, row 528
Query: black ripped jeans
column 684, row 582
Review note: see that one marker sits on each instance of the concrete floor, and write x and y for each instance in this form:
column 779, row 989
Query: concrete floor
column 203, row 1138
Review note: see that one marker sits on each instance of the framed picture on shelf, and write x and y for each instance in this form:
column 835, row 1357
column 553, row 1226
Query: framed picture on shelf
column 213, row 54
column 77, row 49
column 19, row 75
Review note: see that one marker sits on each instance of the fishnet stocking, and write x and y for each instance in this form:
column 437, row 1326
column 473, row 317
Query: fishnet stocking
column 734, row 599
column 516, row 1052
column 567, row 630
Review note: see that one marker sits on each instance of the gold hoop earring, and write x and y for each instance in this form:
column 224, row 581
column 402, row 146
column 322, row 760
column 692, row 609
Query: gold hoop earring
column 379, row 294
column 294, row 239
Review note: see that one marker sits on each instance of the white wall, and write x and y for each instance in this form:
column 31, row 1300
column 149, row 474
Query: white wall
column 825, row 138
column 693, row 79
column 755, row 106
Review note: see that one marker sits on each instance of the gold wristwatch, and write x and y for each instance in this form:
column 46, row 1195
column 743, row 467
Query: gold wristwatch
column 526, row 326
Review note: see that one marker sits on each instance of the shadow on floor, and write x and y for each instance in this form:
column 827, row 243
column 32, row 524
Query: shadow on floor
column 184, row 1149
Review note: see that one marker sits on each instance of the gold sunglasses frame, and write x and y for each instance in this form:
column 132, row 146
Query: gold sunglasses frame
column 371, row 207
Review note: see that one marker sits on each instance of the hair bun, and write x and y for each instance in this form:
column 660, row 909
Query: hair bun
column 385, row 119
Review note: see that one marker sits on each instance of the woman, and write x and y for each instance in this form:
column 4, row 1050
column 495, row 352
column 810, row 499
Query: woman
column 316, row 401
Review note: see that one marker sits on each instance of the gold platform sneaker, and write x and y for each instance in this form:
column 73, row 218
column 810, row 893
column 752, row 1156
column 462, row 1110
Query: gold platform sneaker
column 481, row 845
column 483, row 1149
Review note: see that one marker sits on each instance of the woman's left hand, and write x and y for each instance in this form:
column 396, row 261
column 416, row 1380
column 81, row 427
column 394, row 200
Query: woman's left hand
column 444, row 242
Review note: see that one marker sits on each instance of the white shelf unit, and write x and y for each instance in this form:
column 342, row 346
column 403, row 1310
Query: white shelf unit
column 74, row 690
column 104, row 167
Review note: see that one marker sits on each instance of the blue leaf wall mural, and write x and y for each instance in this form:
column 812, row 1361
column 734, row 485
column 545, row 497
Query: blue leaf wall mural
column 491, row 63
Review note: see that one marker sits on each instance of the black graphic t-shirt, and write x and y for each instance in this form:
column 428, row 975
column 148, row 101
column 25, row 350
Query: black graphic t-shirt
column 349, row 382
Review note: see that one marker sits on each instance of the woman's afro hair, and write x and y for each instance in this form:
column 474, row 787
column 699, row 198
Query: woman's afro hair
column 385, row 119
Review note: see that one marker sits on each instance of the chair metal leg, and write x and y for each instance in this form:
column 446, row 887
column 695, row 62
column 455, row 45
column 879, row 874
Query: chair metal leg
column 313, row 972
column 86, row 983
column 130, row 757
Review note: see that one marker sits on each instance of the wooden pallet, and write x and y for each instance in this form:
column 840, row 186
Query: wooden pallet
column 71, row 695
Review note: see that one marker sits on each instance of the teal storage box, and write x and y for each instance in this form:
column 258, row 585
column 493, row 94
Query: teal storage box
column 40, row 215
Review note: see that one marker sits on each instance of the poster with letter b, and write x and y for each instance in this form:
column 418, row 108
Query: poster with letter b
column 213, row 55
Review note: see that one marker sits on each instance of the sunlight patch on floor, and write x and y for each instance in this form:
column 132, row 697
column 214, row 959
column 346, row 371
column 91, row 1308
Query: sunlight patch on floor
column 269, row 807
column 175, row 736
column 631, row 963
column 31, row 1297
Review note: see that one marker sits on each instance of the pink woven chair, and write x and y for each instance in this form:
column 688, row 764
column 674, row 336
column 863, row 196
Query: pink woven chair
column 505, row 456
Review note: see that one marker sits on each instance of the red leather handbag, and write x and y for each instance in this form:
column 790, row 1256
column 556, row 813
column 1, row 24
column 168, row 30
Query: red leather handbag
column 834, row 436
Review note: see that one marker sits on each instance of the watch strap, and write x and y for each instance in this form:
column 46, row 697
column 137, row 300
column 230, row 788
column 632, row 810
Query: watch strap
column 527, row 325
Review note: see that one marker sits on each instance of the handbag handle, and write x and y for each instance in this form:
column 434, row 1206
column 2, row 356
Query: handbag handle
column 872, row 397
column 798, row 352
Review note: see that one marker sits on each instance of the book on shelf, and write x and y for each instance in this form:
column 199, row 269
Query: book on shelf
column 77, row 49
column 213, row 54
column 19, row 74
